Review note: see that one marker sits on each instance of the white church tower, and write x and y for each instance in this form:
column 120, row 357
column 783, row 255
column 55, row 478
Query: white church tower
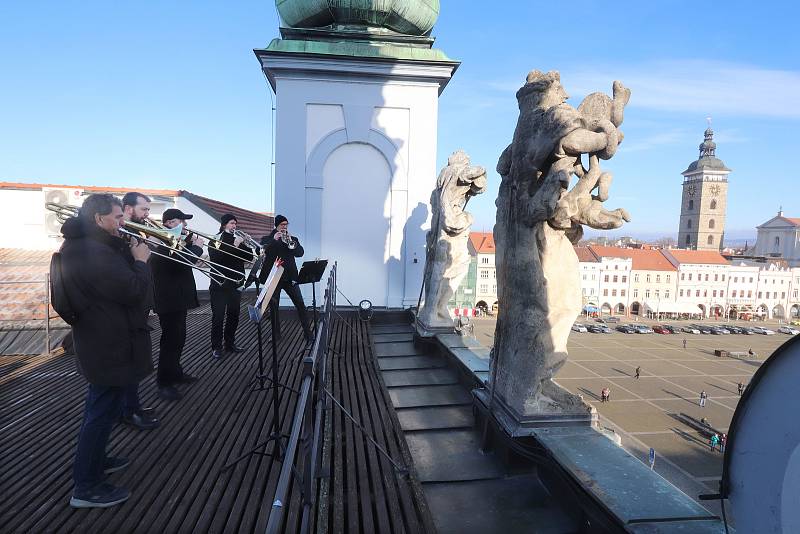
column 357, row 84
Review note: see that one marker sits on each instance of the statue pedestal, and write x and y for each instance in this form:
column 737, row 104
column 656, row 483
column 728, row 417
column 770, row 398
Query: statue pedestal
column 424, row 330
column 560, row 408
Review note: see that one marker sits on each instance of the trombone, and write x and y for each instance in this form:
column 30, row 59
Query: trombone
column 171, row 238
column 216, row 242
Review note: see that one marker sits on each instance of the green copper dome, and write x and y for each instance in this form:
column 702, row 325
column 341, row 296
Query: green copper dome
column 409, row 17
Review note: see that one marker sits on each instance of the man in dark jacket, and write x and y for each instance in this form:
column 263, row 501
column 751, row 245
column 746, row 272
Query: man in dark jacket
column 226, row 295
column 112, row 341
column 174, row 294
column 276, row 246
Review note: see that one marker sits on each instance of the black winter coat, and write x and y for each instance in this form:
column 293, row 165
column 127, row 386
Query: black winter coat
column 276, row 248
column 234, row 264
column 112, row 340
column 173, row 283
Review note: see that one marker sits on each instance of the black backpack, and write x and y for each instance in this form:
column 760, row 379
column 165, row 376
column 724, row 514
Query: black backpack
column 68, row 304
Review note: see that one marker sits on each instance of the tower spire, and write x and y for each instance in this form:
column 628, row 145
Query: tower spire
column 708, row 147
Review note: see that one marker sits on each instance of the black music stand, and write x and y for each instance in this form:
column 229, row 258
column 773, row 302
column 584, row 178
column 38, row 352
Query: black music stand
column 310, row 273
column 260, row 379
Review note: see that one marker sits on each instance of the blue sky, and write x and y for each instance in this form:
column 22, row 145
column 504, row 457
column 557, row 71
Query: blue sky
column 169, row 95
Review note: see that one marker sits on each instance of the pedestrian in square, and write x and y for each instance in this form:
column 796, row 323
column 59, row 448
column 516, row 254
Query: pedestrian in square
column 723, row 441
column 638, row 371
column 684, row 343
column 703, row 397
column 740, row 387
column 605, row 393
column 713, row 441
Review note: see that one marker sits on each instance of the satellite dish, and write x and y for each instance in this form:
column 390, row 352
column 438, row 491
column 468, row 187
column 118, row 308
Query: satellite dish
column 761, row 468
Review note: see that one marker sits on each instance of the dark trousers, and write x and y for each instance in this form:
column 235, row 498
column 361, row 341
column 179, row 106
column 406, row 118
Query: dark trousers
column 130, row 401
column 293, row 292
column 173, row 338
column 224, row 310
column 103, row 408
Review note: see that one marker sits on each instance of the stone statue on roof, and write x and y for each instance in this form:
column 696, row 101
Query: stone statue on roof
column 447, row 258
column 539, row 218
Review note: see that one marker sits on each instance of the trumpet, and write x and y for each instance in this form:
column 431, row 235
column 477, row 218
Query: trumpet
column 248, row 240
column 288, row 240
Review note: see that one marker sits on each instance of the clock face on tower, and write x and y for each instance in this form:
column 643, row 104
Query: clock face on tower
column 691, row 190
column 715, row 190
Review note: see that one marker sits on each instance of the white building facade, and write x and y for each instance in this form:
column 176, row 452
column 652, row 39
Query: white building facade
column 779, row 237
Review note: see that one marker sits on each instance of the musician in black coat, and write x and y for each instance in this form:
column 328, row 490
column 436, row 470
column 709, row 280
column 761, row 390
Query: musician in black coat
column 276, row 246
column 175, row 293
column 110, row 280
column 226, row 295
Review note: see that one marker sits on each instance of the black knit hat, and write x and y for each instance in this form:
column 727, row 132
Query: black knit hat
column 228, row 217
column 279, row 219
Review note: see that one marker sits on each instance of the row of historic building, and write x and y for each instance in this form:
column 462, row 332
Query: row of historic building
column 646, row 281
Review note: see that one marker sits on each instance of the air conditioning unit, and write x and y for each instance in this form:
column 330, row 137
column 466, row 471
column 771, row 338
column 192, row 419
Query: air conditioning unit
column 61, row 195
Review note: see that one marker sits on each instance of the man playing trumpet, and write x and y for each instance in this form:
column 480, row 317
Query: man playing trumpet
column 280, row 244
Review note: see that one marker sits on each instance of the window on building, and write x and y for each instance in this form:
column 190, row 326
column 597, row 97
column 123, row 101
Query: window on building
column 691, row 204
column 615, row 278
column 697, row 293
column 592, row 277
column 777, row 243
column 624, row 279
column 710, row 240
column 658, row 293
column 716, row 278
column 494, row 289
column 749, row 294
column 648, row 278
column 647, row 293
column 759, row 294
column 688, row 241
column 666, row 293
column 705, row 292
column 584, row 277
column 636, row 293
column 616, row 267
column 711, row 223
column 635, row 277
column 706, row 277
column 583, row 291
column 622, row 292
column 613, row 292
column 794, row 294
column 783, row 295
column 591, row 292
column 484, row 274
column 690, row 277
column 736, row 280
column 484, row 260
column 713, row 204
column 605, row 292
column 484, row 288
column 669, row 276
column 723, row 277
column 714, row 293
column 751, row 279
column 681, row 292
column 688, row 225
column 733, row 294
column 683, row 276
column 658, row 278
column 605, row 278
column 494, row 275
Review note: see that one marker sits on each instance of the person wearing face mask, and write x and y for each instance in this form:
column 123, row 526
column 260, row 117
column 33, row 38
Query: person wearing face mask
column 174, row 295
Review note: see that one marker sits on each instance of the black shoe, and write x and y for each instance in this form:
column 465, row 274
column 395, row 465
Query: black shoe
column 114, row 464
column 142, row 422
column 169, row 393
column 187, row 379
column 101, row 496
column 234, row 349
column 147, row 411
column 217, row 354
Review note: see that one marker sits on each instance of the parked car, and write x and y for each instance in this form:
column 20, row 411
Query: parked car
column 578, row 328
column 690, row 330
column 612, row 319
column 763, row 331
column 643, row 329
column 788, row 330
column 718, row 331
column 598, row 329
column 702, row 328
column 796, row 322
column 749, row 331
column 660, row 329
column 671, row 329
column 600, row 320
column 626, row 329
column 733, row 329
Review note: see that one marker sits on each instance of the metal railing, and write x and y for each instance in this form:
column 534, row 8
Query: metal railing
column 48, row 314
column 307, row 424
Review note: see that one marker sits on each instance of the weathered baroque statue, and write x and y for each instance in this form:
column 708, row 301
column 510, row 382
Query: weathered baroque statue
column 447, row 258
column 539, row 218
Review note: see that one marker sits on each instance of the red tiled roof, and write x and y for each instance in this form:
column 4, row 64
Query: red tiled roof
column 24, row 299
column 795, row 221
column 251, row 222
column 642, row 259
column 585, row 255
column 482, row 242
column 698, row 256
column 96, row 188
